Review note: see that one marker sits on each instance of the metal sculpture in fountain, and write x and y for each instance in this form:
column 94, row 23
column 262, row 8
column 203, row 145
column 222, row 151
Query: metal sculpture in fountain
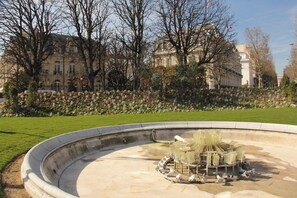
column 205, row 158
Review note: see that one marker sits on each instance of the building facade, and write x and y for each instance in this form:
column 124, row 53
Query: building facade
column 217, row 75
column 4, row 74
column 247, row 71
column 64, row 69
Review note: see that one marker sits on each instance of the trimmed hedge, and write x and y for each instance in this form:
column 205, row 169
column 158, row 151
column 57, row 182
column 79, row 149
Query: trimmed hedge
column 238, row 98
column 131, row 102
column 94, row 103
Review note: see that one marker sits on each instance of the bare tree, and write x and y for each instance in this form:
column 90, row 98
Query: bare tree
column 26, row 28
column 102, row 39
column 259, row 52
column 133, row 15
column 203, row 27
column 269, row 75
column 89, row 19
column 291, row 69
column 119, row 58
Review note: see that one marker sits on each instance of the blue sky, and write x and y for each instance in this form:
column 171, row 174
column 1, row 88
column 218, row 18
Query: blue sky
column 278, row 18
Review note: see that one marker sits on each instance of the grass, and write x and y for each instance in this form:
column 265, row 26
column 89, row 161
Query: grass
column 17, row 135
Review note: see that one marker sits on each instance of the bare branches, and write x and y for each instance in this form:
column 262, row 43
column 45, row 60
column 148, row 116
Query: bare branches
column 260, row 55
column 26, row 28
column 89, row 18
column 179, row 20
column 190, row 25
column 133, row 15
column 291, row 69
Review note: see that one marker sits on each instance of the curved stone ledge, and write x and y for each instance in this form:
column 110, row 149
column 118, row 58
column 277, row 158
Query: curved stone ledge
column 44, row 163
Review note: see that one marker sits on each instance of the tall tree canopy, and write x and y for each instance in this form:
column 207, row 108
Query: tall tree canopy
column 26, row 27
column 260, row 55
column 133, row 16
column 89, row 19
column 291, row 69
column 201, row 26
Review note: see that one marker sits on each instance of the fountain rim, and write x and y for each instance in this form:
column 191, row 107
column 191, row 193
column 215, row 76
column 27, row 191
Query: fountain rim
column 37, row 184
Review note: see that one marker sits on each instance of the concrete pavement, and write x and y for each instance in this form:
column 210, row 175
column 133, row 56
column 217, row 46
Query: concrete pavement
column 130, row 172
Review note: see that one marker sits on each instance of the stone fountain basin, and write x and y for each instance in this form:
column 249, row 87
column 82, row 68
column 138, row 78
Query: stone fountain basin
column 46, row 162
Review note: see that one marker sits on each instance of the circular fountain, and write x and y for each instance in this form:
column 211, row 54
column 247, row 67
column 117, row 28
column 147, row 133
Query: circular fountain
column 204, row 158
column 93, row 159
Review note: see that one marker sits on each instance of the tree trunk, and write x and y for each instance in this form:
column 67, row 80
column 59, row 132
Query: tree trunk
column 185, row 59
column 103, row 75
column 182, row 58
column 91, row 83
column 136, row 79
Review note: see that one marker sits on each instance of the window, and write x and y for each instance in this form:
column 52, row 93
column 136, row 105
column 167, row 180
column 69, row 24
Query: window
column 57, row 85
column 58, row 49
column 75, row 50
column 72, row 49
column 170, row 61
column 44, row 71
column 57, row 68
column 159, row 62
column 72, row 68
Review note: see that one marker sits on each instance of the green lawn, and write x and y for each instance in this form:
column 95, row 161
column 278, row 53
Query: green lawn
column 17, row 135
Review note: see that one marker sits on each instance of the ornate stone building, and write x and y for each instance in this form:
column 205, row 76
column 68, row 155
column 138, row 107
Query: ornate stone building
column 248, row 74
column 64, row 69
column 227, row 74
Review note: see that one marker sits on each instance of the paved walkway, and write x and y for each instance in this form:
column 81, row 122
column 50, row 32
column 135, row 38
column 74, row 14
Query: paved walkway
column 130, row 172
